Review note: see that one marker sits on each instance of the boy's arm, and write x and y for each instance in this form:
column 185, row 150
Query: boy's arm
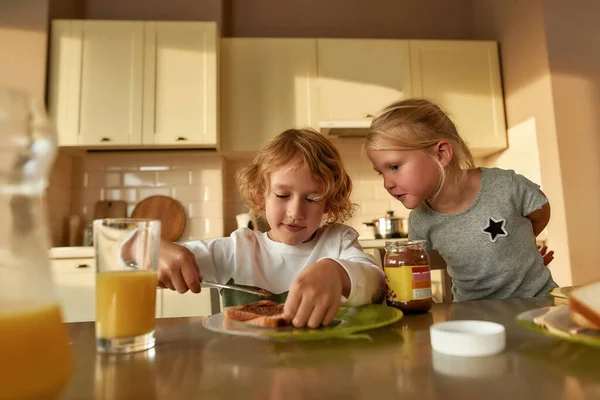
column 365, row 278
column 540, row 217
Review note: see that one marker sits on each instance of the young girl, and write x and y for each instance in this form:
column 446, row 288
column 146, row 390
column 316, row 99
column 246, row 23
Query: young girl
column 297, row 181
column 482, row 221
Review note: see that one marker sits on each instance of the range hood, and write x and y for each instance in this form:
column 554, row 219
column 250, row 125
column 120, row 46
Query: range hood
column 357, row 128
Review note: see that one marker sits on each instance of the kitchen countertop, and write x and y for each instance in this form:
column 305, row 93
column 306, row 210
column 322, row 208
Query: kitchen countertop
column 72, row 252
column 88, row 251
column 190, row 362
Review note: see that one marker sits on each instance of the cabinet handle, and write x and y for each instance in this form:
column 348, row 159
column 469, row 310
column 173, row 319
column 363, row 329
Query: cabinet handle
column 180, row 138
column 368, row 115
column 105, row 139
column 83, row 266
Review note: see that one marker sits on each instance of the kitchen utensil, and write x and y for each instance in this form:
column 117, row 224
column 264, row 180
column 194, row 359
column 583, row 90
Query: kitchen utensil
column 110, row 209
column 246, row 220
column 74, row 229
column 166, row 209
column 259, row 292
column 347, row 324
column 389, row 227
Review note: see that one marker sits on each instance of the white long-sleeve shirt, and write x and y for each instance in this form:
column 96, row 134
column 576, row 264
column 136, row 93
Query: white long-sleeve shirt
column 252, row 259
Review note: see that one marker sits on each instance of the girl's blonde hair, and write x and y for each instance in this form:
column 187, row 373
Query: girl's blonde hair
column 416, row 124
column 317, row 153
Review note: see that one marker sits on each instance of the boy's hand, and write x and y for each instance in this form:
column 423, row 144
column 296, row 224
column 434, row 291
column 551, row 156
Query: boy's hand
column 548, row 256
column 177, row 268
column 314, row 297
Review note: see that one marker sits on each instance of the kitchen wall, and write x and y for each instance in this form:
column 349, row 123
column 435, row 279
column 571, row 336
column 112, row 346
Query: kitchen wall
column 574, row 59
column 194, row 178
column 23, row 36
column 59, row 199
column 551, row 74
column 533, row 149
column 433, row 19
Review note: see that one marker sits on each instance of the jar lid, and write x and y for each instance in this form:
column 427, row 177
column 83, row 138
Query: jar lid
column 404, row 245
column 468, row 338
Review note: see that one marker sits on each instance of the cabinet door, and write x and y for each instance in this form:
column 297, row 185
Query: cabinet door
column 267, row 86
column 64, row 80
column 463, row 77
column 186, row 305
column 358, row 77
column 110, row 103
column 180, row 84
column 75, row 281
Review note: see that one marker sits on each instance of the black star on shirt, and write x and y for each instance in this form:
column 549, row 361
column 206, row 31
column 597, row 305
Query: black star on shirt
column 495, row 229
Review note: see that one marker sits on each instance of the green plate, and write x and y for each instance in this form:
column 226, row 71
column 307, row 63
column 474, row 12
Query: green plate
column 348, row 321
column 562, row 292
column 555, row 321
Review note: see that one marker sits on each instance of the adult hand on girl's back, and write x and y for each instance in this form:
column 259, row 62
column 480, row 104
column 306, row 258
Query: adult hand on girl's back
column 314, row 297
column 177, row 268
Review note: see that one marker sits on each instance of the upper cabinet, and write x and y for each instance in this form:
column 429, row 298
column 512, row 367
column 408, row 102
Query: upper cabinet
column 123, row 83
column 358, row 77
column 156, row 84
column 463, row 77
column 180, row 83
column 96, row 72
column 267, row 86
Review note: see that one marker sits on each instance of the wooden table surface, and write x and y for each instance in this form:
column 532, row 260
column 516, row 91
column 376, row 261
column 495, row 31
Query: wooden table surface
column 190, row 362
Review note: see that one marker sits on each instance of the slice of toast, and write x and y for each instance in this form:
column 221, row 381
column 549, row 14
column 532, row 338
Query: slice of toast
column 584, row 306
column 264, row 313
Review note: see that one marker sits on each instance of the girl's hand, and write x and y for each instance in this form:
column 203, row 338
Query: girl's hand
column 548, row 256
column 177, row 268
column 314, row 297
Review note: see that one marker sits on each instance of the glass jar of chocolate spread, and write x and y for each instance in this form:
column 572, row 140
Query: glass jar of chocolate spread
column 407, row 275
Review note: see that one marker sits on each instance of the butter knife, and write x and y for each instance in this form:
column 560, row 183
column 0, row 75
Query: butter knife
column 259, row 292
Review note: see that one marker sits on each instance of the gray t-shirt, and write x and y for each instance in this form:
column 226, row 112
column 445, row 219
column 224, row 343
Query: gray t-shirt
column 489, row 248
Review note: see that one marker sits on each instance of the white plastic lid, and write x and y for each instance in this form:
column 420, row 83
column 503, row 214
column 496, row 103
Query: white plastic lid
column 468, row 338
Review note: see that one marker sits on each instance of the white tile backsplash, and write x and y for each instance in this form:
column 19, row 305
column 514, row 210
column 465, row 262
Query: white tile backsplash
column 134, row 176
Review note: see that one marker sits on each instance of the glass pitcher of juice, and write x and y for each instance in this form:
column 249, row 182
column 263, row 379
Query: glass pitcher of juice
column 35, row 358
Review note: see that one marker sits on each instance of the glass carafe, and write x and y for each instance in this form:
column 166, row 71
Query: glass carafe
column 35, row 358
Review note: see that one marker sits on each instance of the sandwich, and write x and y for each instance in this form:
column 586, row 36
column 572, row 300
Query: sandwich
column 584, row 306
column 264, row 313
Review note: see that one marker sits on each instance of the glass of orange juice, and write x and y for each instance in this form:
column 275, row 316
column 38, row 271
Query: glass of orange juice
column 35, row 356
column 126, row 283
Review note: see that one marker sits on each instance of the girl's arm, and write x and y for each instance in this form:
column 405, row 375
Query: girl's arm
column 540, row 217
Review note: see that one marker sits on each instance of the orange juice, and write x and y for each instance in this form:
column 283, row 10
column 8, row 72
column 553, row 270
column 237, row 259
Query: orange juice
column 125, row 303
column 35, row 358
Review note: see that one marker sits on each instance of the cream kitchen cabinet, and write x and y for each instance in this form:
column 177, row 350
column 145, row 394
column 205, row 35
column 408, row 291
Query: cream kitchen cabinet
column 463, row 77
column 186, row 305
column 75, row 282
column 358, row 77
column 133, row 83
column 267, row 86
column 180, row 84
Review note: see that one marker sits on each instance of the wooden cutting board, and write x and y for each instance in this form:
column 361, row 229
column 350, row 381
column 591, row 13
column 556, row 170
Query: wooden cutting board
column 110, row 209
column 168, row 210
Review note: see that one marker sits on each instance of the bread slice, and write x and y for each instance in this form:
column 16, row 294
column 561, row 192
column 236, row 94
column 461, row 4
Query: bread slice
column 584, row 306
column 264, row 313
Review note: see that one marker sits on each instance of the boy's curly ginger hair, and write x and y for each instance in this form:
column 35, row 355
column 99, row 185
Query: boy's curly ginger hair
column 317, row 153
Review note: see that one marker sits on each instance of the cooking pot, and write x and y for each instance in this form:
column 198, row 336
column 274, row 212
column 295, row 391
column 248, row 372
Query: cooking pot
column 389, row 227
